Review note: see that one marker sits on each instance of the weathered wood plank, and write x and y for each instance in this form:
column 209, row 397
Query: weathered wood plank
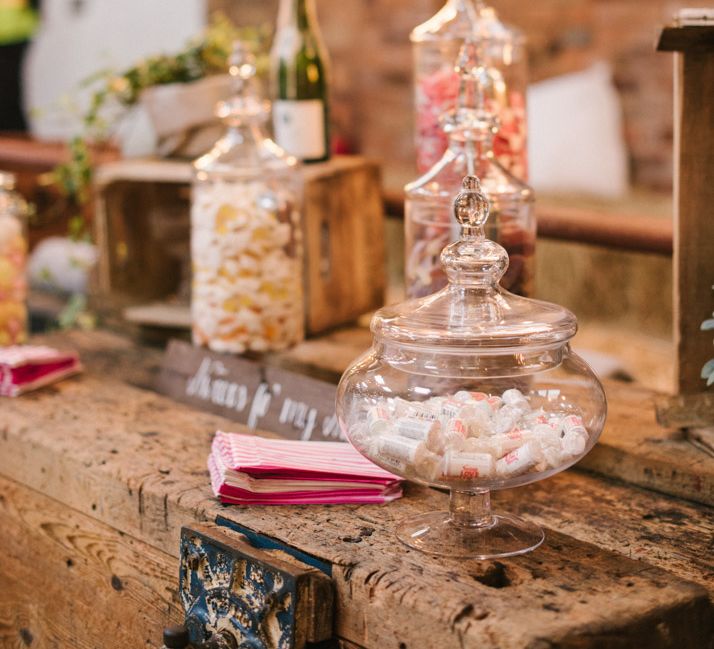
column 135, row 461
column 67, row 580
column 694, row 195
column 633, row 447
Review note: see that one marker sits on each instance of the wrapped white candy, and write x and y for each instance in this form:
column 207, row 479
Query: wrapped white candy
column 519, row 461
column 378, row 420
column 397, row 447
column 417, row 429
column 470, row 434
column 428, row 465
column 468, row 466
column 450, row 409
column 505, row 420
column 499, row 445
column 574, row 442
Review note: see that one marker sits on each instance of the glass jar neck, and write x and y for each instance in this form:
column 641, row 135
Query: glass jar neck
column 297, row 13
column 465, row 5
column 471, row 8
column 480, row 147
column 244, row 134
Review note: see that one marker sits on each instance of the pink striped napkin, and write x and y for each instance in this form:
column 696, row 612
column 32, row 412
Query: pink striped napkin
column 28, row 367
column 246, row 469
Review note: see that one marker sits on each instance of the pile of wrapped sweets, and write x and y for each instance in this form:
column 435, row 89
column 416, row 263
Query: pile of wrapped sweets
column 468, row 436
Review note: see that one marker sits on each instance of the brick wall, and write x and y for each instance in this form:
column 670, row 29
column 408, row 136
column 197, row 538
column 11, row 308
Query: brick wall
column 370, row 50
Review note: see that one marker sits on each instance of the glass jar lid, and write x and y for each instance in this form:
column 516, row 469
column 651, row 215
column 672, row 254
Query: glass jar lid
column 463, row 18
column 473, row 313
column 245, row 146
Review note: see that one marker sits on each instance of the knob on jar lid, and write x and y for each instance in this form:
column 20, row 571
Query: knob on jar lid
column 245, row 106
column 473, row 312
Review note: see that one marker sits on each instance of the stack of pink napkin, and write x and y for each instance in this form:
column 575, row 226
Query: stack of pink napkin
column 27, row 367
column 250, row 470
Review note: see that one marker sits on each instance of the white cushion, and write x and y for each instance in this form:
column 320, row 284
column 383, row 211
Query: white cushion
column 575, row 134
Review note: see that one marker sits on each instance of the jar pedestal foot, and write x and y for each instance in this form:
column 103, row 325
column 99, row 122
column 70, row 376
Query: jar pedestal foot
column 470, row 530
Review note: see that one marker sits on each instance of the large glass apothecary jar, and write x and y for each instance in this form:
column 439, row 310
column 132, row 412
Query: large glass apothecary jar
column 472, row 389
column 246, row 238
column 428, row 224
column 436, row 44
column 13, row 263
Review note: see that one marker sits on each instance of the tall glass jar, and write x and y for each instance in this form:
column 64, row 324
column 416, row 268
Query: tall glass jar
column 246, row 239
column 13, row 263
column 436, row 45
column 428, row 223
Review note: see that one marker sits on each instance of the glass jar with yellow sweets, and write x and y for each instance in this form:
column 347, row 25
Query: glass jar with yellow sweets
column 13, row 262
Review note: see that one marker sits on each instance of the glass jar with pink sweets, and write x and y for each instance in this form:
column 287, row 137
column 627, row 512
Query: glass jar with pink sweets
column 436, row 45
column 428, row 224
column 13, row 259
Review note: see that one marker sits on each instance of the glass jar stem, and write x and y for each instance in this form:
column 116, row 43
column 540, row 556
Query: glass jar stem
column 470, row 508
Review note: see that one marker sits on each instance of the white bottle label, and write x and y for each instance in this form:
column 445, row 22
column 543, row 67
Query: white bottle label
column 300, row 127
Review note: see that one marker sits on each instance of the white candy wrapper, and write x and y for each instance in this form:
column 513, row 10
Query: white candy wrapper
column 450, row 409
column 455, row 427
column 499, row 445
column 428, row 465
column 477, row 416
column 518, row 461
column 512, row 396
column 399, row 448
column 574, row 442
column 378, row 420
column 461, row 435
column 505, row 420
column 422, row 411
column 547, row 435
column 417, row 429
column 468, row 466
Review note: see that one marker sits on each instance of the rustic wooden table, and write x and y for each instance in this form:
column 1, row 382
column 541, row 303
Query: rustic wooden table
column 99, row 473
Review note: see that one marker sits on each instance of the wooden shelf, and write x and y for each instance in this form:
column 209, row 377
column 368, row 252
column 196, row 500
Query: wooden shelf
column 617, row 227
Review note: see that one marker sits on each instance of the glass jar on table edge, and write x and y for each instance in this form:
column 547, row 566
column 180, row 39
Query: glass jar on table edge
column 246, row 236
column 472, row 389
column 428, row 224
column 299, row 66
column 13, row 263
column 436, row 45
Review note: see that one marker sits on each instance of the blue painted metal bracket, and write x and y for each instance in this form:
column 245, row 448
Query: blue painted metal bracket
column 268, row 543
column 261, row 599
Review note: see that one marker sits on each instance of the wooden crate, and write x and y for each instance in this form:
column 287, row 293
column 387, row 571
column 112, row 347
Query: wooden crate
column 142, row 229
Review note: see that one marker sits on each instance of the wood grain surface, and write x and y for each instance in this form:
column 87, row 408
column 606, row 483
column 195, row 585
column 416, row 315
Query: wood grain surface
column 142, row 228
column 632, row 448
column 68, row 580
column 694, row 197
column 135, row 461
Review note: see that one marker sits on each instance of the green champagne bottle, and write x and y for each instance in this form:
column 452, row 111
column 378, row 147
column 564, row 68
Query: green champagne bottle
column 299, row 67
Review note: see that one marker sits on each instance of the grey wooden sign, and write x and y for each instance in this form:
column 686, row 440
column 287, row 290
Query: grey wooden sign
column 257, row 395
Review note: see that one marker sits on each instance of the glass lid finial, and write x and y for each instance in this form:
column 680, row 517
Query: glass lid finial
column 246, row 105
column 473, row 118
column 473, row 259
